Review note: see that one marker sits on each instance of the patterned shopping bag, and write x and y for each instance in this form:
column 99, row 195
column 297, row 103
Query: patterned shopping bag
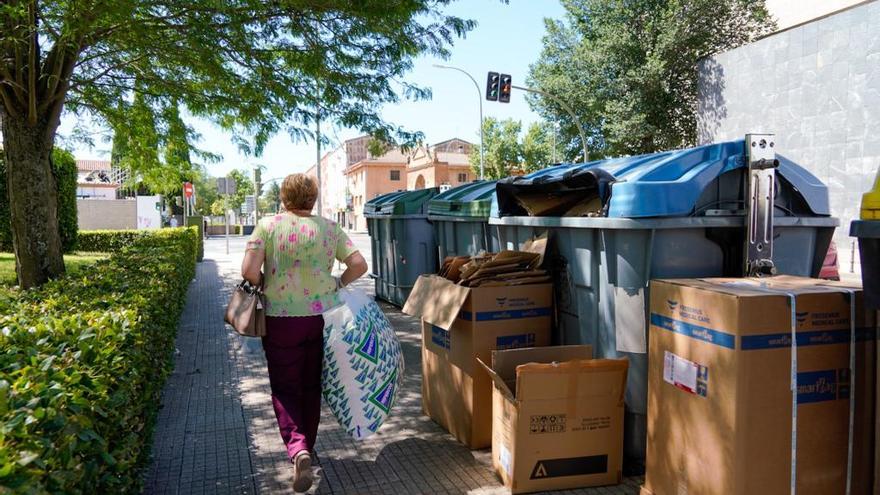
column 363, row 364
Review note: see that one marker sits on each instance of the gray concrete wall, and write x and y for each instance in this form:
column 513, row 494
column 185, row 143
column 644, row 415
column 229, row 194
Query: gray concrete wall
column 817, row 87
column 96, row 214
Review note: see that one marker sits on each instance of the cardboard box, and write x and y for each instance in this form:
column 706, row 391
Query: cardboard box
column 719, row 387
column 558, row 418
column 461, row 324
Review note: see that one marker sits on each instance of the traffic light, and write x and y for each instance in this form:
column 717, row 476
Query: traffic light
column 492, row 86
column 504, row 93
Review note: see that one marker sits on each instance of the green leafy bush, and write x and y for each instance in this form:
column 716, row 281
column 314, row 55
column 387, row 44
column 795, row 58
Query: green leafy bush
column 110, row 241
column 66, row 179
column 82, row 364
column 67, row 175
column 199, row 222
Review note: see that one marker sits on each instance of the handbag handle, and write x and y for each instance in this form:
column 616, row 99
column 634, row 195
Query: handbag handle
column 250, row 288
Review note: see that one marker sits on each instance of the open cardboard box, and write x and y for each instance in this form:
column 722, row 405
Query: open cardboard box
column 557, row 418
column 461, row 324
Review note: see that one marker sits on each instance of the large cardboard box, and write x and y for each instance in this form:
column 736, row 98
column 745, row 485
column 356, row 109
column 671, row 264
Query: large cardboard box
column 461, row 324
column 719, row 387
column 557, row 418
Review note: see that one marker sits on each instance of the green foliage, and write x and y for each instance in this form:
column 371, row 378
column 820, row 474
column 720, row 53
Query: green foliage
column 506, row 153
column 272, row 197
column 537, row 147
column 205, row 190
column 244, row 187
column 66, row 176
column 253, row 68
column 158, row 159
column 218, row 207
column 111, row 241
column 199, row 223
column 82, row 368
column 503, row 150
column 628, row 69
column 66, row 179
column 75, row 265
column 280, row 65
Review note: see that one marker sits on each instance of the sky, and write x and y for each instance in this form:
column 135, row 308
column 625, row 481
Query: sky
column 507, row 39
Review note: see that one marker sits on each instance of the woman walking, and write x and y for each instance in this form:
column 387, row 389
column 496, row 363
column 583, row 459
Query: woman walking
column 293, row 253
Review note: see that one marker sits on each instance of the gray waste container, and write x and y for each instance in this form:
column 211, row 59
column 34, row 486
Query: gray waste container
column 665, row 215
column 402, row 241
column 868, row 233
column 461, row 219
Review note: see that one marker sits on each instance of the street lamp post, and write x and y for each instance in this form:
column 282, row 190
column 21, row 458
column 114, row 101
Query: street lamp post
column 480, row 99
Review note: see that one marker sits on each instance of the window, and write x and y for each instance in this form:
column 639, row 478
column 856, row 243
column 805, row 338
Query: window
column 395, row 175
column 462, row 177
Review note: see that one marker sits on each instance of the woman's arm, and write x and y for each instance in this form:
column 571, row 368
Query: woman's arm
column 252, row 264
column 355, row 268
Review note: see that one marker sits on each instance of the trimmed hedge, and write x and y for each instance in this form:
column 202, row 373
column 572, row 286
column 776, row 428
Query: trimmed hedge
column 82, row 365
column 199, row 222
column 111, row 241
column 66, row 177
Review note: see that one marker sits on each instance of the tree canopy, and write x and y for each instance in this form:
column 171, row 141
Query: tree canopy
column 629, row 68
column 506, row 153
column 255, row 68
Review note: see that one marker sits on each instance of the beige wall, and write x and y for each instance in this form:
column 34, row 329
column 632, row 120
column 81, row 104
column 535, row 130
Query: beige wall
column 368, row 180
column 430, row 174
column 454, row 171
column 96, row 214
column 439, row 174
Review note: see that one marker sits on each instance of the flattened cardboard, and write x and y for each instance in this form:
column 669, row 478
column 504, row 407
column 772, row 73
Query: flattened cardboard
column 719, row 399
column 563, row 428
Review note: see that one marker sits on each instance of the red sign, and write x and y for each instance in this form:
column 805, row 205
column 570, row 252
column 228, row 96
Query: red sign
column 188, row 189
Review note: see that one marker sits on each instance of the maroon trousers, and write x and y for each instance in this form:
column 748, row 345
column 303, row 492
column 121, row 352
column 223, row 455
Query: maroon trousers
column 294, row 348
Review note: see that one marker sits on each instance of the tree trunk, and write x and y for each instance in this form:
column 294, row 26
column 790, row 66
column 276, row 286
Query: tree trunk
column 33, row 200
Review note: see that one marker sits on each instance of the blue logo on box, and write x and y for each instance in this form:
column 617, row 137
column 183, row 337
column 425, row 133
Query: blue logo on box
column 440, row 337
column 822, row 386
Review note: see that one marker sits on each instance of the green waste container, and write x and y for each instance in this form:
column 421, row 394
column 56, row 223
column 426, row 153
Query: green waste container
column 460, row 217
column 402, row 241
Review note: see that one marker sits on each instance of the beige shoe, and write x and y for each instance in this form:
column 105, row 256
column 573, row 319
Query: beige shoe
column 302, row 472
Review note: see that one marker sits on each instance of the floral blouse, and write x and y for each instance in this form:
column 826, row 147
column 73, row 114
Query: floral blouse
column 299, row 257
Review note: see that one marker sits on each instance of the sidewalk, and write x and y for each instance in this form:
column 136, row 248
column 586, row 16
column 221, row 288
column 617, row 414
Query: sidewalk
column 216, row 431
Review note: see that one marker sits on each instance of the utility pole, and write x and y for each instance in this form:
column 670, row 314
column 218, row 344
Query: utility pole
column 480, row 100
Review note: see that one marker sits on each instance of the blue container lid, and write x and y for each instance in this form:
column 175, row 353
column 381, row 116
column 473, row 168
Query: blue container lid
column 665, row 184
